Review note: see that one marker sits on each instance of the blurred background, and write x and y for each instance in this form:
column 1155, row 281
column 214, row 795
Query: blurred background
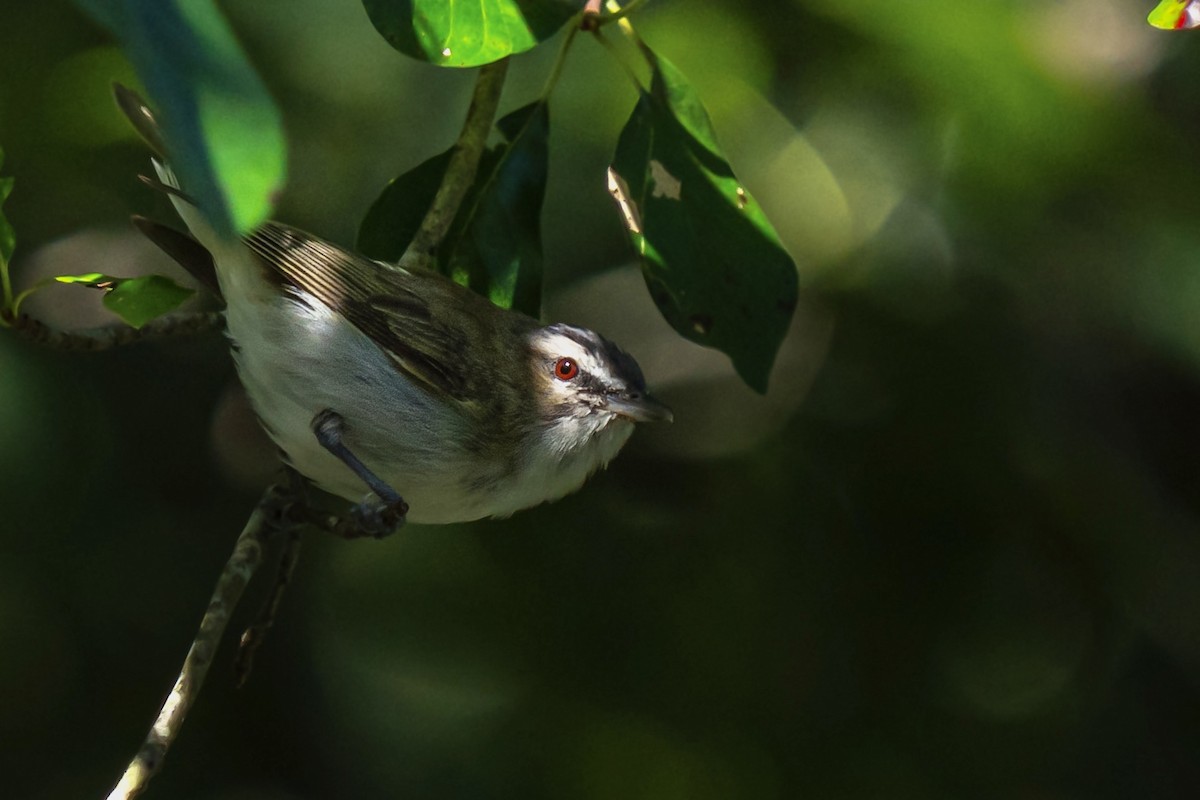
column 954, row 552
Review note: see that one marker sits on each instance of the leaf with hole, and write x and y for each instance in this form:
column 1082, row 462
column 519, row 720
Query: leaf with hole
column 712, row 261
column 468, row 33
column 222, row 129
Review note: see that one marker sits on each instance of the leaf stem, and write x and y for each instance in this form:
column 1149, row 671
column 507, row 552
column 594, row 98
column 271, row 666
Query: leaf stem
column 253, row 637
column 6, row 287
column 556, row 70
column 612, row 49
column 633, row 36
column 8, row 241
column 617, row 12
column 460, row 173
column 246, row 558
column 14, row 303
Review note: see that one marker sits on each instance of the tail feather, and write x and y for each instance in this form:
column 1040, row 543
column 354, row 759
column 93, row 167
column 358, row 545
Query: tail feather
column 158, row 185
column 141, row 117
column 196, row 222
column 225, row 259
column 186, row 251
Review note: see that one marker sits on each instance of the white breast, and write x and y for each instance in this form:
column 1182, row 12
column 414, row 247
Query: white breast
column 553, row 469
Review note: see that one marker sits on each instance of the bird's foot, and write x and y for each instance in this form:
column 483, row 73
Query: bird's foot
column 372, row 518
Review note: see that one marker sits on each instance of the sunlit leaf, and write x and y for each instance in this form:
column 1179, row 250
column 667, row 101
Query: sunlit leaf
column 135, row 300
column 712, row 261
column 222, row 129
column 93, row 280
column 468, row 33
column 139, row 300
column 494, row 245
column 1172, row 15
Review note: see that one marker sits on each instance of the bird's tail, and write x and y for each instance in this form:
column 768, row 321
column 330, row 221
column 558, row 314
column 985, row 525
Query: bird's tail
column 196, row 253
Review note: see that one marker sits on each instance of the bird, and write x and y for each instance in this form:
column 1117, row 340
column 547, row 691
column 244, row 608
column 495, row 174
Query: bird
column 397, row 389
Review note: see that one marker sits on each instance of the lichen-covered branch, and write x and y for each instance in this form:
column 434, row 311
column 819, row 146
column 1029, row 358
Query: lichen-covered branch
column 460, row 173
column 246, row 558
column 110, row 336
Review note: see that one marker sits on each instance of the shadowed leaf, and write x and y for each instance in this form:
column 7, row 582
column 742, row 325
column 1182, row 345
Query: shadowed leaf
column 496, row 241
column 494, row 245
column 711, row 259
column 394, row 217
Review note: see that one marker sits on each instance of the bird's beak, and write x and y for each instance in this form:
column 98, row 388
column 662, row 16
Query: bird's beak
column 639, row 408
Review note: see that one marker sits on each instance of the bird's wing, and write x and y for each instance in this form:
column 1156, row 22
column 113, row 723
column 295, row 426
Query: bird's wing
column 380, row 300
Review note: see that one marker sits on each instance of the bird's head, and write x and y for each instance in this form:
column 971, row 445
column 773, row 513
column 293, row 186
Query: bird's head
column 587, row 387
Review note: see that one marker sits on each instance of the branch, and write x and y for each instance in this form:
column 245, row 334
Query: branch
column 460, row 173
column 110, row 336
column 253, row 637
column 247, row 555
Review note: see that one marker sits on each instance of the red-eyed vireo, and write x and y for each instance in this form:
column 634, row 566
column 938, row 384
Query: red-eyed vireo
column 400, row 382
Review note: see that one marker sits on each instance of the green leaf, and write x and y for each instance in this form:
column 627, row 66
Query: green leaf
column 139, row 300
column 711, row 259
column 93, row 280
column 494, row 244
column 394, row 217
column 468, row 33
column 496, row 240
column 223, row 130
column 135, row 300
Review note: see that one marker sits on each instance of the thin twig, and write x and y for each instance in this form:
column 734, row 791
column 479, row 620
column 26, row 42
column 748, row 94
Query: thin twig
column 253, row 636
column 460, row 173
column 110, row 336
column 612, row 49
column 246, row 558
column 559, row 61
column 619, row 15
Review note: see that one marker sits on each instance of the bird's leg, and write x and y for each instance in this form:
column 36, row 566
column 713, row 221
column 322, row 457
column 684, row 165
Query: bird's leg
column 366, row 519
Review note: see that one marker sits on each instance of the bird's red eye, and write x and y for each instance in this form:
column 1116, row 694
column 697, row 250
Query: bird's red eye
column 565, row 369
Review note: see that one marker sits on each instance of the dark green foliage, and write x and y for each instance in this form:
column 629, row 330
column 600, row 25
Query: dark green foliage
column 494, row 245
column 712, row 261
column 962, row 561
